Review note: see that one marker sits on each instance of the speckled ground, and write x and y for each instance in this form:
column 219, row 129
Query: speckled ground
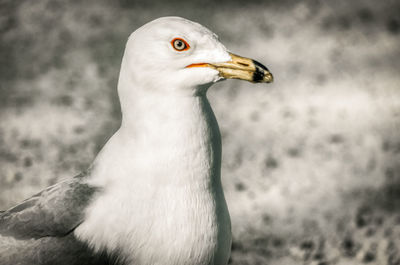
column 311, row 163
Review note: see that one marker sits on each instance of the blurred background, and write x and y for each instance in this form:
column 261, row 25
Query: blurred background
column 311, row 163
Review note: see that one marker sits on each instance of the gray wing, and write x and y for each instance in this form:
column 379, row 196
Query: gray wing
column 55, row 211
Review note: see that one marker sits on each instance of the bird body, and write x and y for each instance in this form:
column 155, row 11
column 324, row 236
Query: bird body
column 153, row 195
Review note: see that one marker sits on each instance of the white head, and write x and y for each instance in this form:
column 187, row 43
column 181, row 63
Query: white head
column 178, row 55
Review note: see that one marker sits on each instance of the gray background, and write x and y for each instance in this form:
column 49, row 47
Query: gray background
column 311, row 163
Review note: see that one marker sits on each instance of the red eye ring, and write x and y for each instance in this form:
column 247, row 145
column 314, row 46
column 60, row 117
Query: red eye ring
column 180, row 44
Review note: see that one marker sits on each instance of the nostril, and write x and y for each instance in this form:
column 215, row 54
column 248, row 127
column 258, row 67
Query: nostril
column 244, row 64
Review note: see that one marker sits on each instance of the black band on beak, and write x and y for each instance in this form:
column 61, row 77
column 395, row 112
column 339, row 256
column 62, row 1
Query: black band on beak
column 260, row 71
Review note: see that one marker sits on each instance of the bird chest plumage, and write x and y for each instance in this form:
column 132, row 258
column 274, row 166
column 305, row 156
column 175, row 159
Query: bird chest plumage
column 177, row 213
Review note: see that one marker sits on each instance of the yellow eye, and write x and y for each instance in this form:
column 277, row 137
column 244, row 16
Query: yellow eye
column 180, row 44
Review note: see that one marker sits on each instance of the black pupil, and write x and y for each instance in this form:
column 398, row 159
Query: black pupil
column 179, row 44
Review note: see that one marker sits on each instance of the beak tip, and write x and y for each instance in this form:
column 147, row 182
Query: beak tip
column 268, row 78
column 261, row 74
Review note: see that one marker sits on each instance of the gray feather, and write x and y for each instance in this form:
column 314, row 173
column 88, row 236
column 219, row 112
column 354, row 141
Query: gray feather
column 65, row 250
column 55, row 211
column 39, row 230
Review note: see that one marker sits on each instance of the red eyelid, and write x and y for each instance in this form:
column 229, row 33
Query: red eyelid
column 187, row 44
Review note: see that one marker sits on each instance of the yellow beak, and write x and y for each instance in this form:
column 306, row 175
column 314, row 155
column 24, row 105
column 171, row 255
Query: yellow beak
column 240, row 68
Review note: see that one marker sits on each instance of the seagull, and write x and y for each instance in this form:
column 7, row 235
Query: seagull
column 153, row 194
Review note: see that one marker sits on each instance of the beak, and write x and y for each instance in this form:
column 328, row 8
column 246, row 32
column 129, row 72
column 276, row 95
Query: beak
column 240, row 68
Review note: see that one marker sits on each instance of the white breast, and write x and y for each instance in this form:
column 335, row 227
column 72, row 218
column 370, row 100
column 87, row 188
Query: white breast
column 162, row 202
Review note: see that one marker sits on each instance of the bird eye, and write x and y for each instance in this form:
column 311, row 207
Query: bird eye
column 180, row 44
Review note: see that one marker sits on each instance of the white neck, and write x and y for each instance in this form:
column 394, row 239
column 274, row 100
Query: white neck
column 166, row 133
column 161, row 169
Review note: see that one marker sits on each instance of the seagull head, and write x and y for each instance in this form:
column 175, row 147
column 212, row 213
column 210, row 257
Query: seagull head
column 180, row 55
